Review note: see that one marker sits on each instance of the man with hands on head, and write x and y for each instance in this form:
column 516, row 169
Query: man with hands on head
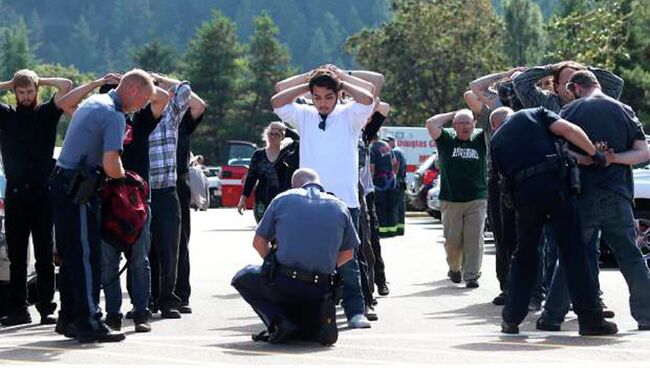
column 27, row 137
column 329, row 132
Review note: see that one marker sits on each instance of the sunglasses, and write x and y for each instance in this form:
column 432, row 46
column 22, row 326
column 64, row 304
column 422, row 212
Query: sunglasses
column 570, row 87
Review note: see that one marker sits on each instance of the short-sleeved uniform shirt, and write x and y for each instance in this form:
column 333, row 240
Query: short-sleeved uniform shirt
column 605, row 119
column 524, row 140
column 27, row 139
column 462, row 167
column 331, row 152
column 136, row 141
column 401, row 160
column 97, row 126
column 381, row 156
column 310, row 227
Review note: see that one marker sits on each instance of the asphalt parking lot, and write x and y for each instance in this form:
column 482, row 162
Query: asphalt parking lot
column 425, row 320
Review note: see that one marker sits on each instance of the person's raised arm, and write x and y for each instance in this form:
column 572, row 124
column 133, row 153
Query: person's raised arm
column 63, row 86
column 434, row 124
column 473, row 102
column 71, row 100
column 359, row 94
column 293, row 81
column 112, row 165
column 351, row 80
column 482, row 87
column 526, row 87
column 610, row 83
column 288, row 95
column 383, row 108
column 4, row 86
column 376, row 79
column 159, row 100
column 197, row 106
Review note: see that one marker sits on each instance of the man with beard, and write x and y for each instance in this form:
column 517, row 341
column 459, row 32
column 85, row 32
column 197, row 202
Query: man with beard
column 28, row 132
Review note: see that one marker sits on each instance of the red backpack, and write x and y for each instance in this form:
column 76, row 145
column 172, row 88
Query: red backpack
column 124, row 210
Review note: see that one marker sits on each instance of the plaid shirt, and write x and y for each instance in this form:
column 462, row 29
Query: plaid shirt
column 163, row 140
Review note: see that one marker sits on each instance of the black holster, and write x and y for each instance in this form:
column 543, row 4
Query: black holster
column 569, row 166
column 270, row 266
column 85, row 183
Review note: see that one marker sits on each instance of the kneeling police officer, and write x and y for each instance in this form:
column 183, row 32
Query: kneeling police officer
column 90, row 152
column 542, row 181
column 292, row 291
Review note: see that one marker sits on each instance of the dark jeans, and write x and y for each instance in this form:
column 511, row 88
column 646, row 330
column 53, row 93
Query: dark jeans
column 28, row 211
column 366, row 255
column 165, row 234
column 183, row 288
column 283, row 299
column 379, row 266
column 401, row 206
column 353, row 300
column 540, row 199
column 78, row 237
column 610, row 213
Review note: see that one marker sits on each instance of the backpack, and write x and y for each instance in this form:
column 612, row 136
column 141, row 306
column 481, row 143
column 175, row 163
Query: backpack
column 124, row 210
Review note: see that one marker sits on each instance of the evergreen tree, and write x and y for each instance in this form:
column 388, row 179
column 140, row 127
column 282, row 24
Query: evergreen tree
column 156, row 56
column 84, row 39
column 16, row 50
column 524, row 41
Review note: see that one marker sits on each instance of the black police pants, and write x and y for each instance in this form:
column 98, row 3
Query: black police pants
column 537, row 199
column 504, row 246
column 365, row 255
column 28, row 211
column 284, row 299
column 78, row 238
column 165, row 236
column 379, row 266
column 400, row 199
column 183, row 288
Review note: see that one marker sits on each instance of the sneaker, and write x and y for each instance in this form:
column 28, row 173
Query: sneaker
column 509, row 328
column 359, row 321
column 471, row 284
column 454, row 276
column 383, row 289
column 20, row 317
column 114, row 321
column 370, row 313
column 543, row 325
column 604, row 328
column 499, row 299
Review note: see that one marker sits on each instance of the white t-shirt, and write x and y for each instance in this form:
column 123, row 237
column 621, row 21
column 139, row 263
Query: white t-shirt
column 332, row 152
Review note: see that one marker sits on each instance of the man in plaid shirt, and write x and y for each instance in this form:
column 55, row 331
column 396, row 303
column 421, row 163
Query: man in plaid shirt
column 165, row 207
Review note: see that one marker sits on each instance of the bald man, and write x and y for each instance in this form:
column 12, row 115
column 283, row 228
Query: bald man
column 463, row 192
column 292, row 290
column 91, row 151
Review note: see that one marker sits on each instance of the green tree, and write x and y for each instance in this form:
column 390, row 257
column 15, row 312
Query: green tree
column 524, row 42
column 593, row 36
column 268, row 62
column 156, row 56
column 429, row 52
column 85, row 39
column 211, row 64
column 16, row 50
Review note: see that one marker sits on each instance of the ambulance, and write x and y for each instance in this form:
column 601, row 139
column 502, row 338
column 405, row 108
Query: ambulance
column 416, row 144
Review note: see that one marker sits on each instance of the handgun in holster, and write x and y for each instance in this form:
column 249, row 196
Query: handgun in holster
column 85, row 182
column 270, row 266
column 569, row 166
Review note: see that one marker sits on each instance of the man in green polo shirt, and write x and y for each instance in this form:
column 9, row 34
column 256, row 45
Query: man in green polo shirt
column 463, row 192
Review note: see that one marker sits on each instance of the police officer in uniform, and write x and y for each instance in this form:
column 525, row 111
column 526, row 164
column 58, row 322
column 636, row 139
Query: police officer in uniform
column 543, row 186
column 401, row 183
column 292, row 290
column 91, row 150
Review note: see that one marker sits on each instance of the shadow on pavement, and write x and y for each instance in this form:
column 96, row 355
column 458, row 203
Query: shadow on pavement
column 521, row 343
column 448, row 289
column 44, row 351
column 252, row 348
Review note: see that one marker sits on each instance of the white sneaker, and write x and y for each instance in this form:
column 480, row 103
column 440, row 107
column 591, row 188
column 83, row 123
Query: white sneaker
column 358, row 321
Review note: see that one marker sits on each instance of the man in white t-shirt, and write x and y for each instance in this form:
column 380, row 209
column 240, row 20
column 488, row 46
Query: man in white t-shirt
column 329, row 132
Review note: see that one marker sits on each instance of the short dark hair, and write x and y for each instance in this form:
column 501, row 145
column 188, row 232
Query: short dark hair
column 584, row 78
column 569, row 64
column 324, row 78
column 107, row 87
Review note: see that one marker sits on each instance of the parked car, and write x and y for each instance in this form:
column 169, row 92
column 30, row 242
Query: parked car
column 433, row 202
column 425, row 177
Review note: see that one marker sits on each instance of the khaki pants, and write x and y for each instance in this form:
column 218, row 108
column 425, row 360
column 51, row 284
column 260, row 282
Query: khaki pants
column 463, row 224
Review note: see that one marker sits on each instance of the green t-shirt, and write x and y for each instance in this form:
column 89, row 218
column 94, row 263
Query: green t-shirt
column 462, row 167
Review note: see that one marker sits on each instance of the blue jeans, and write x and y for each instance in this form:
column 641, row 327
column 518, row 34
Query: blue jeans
column 607, row 212
column 139, row 273
column 353, row 303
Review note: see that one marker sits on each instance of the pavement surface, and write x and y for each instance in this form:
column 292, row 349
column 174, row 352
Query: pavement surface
column 426, row 319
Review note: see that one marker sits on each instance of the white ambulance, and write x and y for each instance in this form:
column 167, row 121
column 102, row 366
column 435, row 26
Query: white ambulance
column 416, row 144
